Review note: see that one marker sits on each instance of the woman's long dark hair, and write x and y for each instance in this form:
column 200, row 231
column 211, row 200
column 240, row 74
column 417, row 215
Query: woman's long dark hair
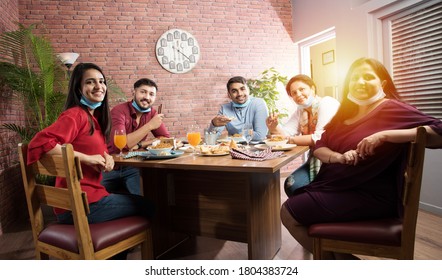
column 102, row 113
column 348, row 109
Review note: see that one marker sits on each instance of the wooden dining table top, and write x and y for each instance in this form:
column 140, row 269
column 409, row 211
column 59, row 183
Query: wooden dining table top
column 188, row 161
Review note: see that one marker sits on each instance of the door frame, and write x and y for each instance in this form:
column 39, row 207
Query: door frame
column 304, row 48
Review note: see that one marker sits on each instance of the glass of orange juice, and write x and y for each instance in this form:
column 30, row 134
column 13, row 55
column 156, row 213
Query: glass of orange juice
column 194, row 136
column 120, row 140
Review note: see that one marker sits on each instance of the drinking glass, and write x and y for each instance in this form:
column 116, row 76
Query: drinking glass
column 194, row 136
column 247, row 133
column 210, row 136
column 120, row 140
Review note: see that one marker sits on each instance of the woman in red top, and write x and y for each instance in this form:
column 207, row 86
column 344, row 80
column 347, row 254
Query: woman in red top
column 86, row 124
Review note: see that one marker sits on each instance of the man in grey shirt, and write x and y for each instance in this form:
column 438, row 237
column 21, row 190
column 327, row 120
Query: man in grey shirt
column 241, row 110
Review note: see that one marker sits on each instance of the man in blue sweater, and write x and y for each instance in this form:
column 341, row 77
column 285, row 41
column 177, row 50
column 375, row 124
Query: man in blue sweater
column 241, row 110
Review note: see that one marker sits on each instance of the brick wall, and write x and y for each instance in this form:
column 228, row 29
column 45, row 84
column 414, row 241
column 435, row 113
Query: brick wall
column 237, row 37
column 9, row 12
column 12, row 200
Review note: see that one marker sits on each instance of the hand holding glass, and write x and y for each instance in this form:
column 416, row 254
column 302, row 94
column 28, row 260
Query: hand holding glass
column 120, row 140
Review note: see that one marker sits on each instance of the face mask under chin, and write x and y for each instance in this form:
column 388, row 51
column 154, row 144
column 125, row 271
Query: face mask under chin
column 307, row 103
column 139, row 109
column 365, row 102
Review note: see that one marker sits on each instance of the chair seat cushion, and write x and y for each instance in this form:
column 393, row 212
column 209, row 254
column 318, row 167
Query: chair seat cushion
column 384, row 232
column 103, row 234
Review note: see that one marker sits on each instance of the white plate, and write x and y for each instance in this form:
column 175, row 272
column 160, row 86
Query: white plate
column 285, row 147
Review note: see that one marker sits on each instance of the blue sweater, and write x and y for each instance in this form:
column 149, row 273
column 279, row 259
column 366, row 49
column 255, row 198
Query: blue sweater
column 255, row 113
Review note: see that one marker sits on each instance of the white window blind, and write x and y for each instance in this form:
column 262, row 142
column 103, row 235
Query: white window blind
column 417, row 58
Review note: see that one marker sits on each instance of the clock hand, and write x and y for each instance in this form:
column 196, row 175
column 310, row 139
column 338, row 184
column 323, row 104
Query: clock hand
column 178, row 50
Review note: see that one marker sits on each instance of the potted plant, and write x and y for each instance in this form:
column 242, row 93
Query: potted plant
column 29, row 66
column 265, row 87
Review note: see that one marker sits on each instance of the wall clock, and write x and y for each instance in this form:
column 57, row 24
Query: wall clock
column 177, row 51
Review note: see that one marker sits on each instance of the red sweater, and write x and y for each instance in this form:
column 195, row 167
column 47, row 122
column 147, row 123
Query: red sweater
column 72, row 127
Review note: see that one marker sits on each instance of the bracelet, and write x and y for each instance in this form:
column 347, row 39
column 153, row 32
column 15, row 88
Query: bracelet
column 329, row 158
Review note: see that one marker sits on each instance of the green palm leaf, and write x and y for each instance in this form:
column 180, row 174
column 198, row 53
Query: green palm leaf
column 24, row 133
column 29, row 66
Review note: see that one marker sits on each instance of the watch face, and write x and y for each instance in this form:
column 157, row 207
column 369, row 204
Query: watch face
column 177, row 51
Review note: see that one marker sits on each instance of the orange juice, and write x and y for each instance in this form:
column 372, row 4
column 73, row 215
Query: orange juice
column 194, row 138
column 120, row 141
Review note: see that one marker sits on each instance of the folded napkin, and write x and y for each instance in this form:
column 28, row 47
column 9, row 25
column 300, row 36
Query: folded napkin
column 255, row 155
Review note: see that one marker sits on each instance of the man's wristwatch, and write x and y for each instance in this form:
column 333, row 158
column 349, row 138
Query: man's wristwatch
column 139, row 145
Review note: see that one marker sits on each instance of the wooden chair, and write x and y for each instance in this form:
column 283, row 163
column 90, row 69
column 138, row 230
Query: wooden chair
column 80, row 240
column 386, row 238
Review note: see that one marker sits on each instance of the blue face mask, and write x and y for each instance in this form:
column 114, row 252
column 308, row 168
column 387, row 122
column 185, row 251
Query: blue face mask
column 91, row 105
column 135, row 105
column 236, row 105
column 307, row 103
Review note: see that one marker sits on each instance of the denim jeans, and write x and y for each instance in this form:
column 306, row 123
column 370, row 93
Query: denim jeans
column 126, row 176
column 112, row 207
column 299, row 178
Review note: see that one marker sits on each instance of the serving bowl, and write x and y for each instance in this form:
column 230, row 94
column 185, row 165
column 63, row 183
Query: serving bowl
column 160, row 151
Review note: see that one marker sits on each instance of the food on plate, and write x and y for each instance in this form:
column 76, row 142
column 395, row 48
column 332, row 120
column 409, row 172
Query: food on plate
column 164, row 153
column 233, row 144
column 179, row 143
column 214, row 150
column 237, row 135
column 162, row 146
column 159, row 151
column 276, row 138
column 187, row 149
column 205, row 150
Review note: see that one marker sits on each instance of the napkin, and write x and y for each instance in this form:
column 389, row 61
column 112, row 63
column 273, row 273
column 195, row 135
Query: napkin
column 255, row 155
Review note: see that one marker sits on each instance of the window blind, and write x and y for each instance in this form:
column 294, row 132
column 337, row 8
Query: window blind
column 417, row 58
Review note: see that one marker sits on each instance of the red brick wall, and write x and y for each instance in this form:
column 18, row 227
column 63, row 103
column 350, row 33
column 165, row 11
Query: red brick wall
column 237, row 37
column 9, row 12
column 12, row 201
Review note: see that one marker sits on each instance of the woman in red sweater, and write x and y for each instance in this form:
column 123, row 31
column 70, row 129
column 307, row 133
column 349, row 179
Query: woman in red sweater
column 86, row 124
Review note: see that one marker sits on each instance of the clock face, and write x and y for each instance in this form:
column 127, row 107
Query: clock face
column 177, row 51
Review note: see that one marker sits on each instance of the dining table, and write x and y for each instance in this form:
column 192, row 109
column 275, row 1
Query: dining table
column 214, row 196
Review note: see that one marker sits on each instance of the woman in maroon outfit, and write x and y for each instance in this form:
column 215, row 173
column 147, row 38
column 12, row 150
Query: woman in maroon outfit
column 363, row 149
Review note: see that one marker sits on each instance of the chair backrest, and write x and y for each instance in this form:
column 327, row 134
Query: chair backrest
column 412, row 188
column 71, row 198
